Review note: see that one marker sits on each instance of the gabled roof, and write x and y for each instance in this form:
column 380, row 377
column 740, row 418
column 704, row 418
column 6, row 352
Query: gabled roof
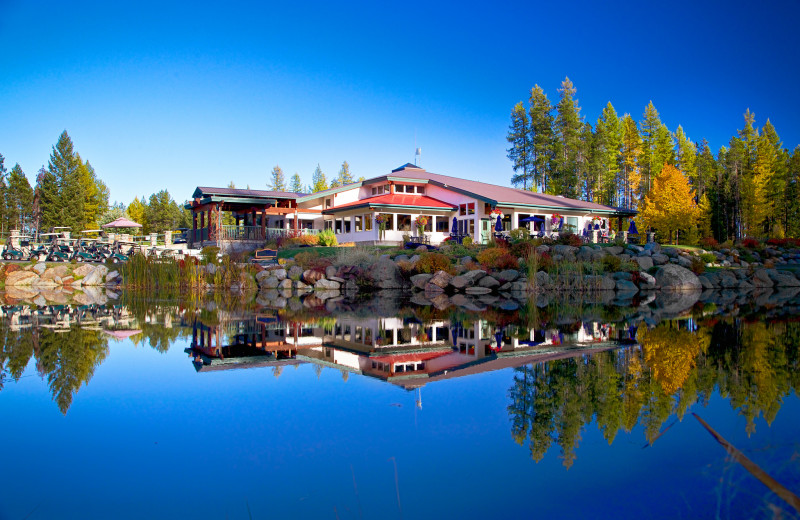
column 206, row 191
column 395, row 200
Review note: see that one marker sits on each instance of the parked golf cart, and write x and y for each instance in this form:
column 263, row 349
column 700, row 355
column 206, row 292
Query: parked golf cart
column 85, row 250
column 23, row 252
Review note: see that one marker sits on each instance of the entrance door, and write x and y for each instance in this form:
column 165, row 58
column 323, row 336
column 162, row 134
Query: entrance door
column 487, row 228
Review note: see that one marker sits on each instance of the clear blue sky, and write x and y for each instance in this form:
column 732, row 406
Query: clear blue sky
column 178, row 95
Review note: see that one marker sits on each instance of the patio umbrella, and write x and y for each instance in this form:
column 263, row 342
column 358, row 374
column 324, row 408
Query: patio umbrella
column 561, row 223
column 499, row 224
column 532, row 219
column 455, row 225
column 498, row 337
column 632, row 229
column 122, row 222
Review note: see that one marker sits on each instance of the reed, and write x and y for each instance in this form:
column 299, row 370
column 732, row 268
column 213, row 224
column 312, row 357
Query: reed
column 141, row 272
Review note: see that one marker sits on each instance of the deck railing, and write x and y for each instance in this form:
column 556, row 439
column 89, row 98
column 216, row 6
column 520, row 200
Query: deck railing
column 258, row 234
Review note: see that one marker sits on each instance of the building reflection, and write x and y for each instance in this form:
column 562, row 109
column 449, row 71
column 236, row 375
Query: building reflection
column 403, row 351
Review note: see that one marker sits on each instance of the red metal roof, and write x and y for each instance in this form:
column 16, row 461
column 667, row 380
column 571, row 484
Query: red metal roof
column 398, row 199
column 411, row 356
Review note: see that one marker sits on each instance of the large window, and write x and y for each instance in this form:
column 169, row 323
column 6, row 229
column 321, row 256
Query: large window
column 442, row 224
column 421, row 190
column 572, row 224
column 337, row 228
column 471, row 208
column 403, row 222
column 359, row 223
column 389, row 221
column 368, row 222
column 462, row 210
column 347, row 223
column 429, row 226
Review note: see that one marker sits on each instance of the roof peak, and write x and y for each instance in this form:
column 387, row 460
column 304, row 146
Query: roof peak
column 407, row 166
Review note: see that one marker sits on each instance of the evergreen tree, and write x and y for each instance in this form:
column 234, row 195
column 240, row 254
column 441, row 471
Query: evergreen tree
column 345, row 177
column 137, row 212
column 278, row 181
column 64, row 165
column 647, row 161
column 569, row 145
column 542, row 139
column 686, row 156
column 608, row 145
column 161, row 213
column 792, row 209
column 771, row 167
column 631, row 149
column 664, row 150
column 519, row 139
column 4, row 220
column 95, row 195
column 318, row 181
column 46, row 201
column 296, row 185
column 19, row 200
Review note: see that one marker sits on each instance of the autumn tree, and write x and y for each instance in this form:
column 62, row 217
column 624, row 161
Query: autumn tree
column 318, row 180
column 278, row 182
column 670, row 205
column 344, row 176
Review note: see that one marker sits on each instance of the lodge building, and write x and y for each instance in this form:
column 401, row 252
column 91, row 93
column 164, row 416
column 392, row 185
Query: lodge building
column 451, row 205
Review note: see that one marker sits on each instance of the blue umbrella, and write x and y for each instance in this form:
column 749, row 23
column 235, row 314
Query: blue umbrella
column 498, row 337
column 560, row 223
column 632, row 229
column 499, row 225
column 455, row 225
column 532, row 219
column 597, row 226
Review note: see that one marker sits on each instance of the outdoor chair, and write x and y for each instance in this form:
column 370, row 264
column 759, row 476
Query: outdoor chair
column 265, row 256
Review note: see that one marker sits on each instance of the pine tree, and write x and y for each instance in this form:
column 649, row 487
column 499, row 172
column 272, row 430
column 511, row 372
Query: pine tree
column 70, row 197
column 664, row 150
column 542, row 139
column 137, row 212
column 631, row 149
column 19, row 199
column 296, row 185
column 345, row 177
column 278, row 181
column 569, row 145
column 793, row 194
column 771, row 162
column 686, row 156
column 161, row 213
column 4, row 220
column 318, row 181
column 519, row 139
column 608, row 134
column 46, row 201
column 95, row 194
column 647, row 162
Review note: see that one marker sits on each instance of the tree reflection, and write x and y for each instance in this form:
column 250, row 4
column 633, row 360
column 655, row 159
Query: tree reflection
column 754, row 364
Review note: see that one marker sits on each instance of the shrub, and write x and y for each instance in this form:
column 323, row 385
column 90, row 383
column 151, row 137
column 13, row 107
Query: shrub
column 406, row 267
column 708, row 258
column 698, row 266
column 311, row 260
column 751, row 243
column 497, row 258
column 432, row 262
column 629, row 266
column 209, row 255
column 523, row 249
column 611, row 263
column 301, row 240
column 360, row 256
column 466, row 242
column 709, row 243
column 518, row 234
column 327, row 238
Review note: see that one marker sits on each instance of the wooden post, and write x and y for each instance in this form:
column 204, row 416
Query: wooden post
column 194, row 229
column 202, row 227
column 264, row 223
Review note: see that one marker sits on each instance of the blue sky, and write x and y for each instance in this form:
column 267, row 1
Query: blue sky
column 177, row 95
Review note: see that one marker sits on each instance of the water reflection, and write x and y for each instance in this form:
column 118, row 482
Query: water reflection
column 573, row 362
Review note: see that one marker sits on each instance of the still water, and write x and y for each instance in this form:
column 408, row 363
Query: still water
column 394, row 408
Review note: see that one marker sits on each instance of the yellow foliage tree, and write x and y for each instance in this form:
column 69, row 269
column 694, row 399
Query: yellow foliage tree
column 670, row 205
column 671, row 354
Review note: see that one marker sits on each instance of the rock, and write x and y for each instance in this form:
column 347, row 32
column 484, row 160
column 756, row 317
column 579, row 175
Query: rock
column 21, row 278
column 761, row 278
column 567, row 252
column 39, row 268
column 542, row 280
column 622, row 275
column 474, row 276
column 614, row 250
column 261, row 275
column 519, row 286
column 584, row 253
column 385, row 274
column 478, row 290
column 509, row 275
column 626, row 286
column 607, row 283
column 464, row 260
column 326, row 285
column 654, row 247
column 67, row 280
column 727, row 280
column 645, row 262
column 659, row 259
column 458, row 282
column 285, row 284
column 705, row 282
column 432, row 290
column 95, row 277
column 489, row 282
column 421, row 249
column 83, row 270
column 414, row 259
column 336, row 279
column 280, row 274
column 401, row 258
column 441, row 279
column 350, row 285
column 505, row 287
column 300, row 286
column 295, row 272
column 783, row 279
column 210, row 268
column 40, row 301
column 671, row 277
column 269, row 283
column 543, row 249
column 421, row 280
column 648, row 281
column 112, row 275
column 312, row 276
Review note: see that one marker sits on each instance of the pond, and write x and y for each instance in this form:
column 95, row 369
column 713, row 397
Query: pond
column 385, row 407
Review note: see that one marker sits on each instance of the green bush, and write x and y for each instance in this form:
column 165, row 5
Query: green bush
column 209, row 255
column 698, row 266
column 708, row 258
column 327, row 238
column 467, row 241
column 611, row 263
column 518, row 234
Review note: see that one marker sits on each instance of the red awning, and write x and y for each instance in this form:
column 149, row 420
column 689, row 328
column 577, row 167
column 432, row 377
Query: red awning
column 397, row 199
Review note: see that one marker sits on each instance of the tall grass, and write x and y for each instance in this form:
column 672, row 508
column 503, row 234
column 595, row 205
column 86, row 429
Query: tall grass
column 565, row 275
column 141, row 272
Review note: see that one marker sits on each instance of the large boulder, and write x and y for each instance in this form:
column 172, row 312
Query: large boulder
column 509, row 275
column 783, row 278
column 660, row 259
column 312, row 276
column 671, row 277
column 95, row 277
column 421, row 280
column 385, row 274
column 567, row 252
column 762, row 279
column 39, row 268
column 21, row 278
column 441, row 279
column 326, row 285
column 474, row 275
column 645, row 262
column 488, row 282
column 458, row 282
column 83, row 270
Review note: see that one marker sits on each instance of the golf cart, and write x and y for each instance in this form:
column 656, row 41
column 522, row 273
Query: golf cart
column 22, row 252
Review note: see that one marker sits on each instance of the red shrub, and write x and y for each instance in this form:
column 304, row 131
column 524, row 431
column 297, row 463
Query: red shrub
column 709, row 243
column 750, row 243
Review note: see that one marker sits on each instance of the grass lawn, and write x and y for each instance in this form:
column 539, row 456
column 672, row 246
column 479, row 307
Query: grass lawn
column 685, row 248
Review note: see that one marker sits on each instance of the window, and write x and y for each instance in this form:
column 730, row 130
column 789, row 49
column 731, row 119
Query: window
column 442, row 224
column 471, row 208
column 471, row 227
column 374, row 192
column 462, row 210
column 421, row 190
column 337, row 228
column 522, row 224
column 368, row 222
column 327, row 203
column 329, row 224
column 380, row 190
column 506, row 222
column 399, row 188
column 390, row 221
column 403, row 222
column 572, row 223
column 359, row 224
